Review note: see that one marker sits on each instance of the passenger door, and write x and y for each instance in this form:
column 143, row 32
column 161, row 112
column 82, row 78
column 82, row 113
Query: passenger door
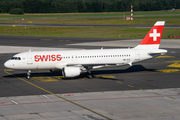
column 29, row 59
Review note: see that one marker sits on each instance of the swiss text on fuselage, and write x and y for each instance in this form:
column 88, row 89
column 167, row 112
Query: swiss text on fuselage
column 52, row 57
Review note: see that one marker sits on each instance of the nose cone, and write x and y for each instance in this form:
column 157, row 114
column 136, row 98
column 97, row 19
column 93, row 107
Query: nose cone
column 7, row 64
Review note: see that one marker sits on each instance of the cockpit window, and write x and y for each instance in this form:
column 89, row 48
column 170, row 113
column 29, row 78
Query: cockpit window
column 15, row 58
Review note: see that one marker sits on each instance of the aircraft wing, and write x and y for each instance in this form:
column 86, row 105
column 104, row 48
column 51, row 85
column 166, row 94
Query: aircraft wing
column 93, row 65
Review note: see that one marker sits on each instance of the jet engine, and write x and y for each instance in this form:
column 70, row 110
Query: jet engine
column 71, row 71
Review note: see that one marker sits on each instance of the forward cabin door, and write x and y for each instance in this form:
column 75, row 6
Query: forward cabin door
column 29, row 59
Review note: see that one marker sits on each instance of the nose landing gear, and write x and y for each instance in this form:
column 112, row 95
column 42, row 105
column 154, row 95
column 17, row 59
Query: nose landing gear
column 28, row 74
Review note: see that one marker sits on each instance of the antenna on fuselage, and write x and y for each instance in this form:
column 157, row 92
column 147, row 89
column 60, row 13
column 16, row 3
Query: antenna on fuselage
column 29, row 50
column 102, row 48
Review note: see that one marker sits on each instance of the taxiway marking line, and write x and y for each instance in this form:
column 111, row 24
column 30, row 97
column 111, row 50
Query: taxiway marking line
column 156, row 93
column 131, row 86
column 58, row 96
column 119, row 82
column 163, row 56
column 47, row 39
column 44, row 79
column 172, row 98
column 168, row 70
column 142, row 89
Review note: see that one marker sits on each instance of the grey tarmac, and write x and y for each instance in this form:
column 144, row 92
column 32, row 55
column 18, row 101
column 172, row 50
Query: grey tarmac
column 148, row 90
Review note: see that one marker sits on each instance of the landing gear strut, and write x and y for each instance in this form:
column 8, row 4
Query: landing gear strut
column 28, row 74
column 90, row 75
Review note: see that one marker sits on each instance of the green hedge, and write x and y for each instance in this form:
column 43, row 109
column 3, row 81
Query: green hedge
column 1, row 11
column 16, row 11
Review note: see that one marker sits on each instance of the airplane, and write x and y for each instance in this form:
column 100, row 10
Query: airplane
column 74, row 62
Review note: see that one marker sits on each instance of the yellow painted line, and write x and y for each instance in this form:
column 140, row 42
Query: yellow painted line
column 47, row 39
column 156, row 93
column 58, row 77
column 30, row 22
column 61, row 40
column 119, row 82
column 177, row 61
column 13, row 25
column 44, row 79
column 108, row 76
column 97, row 76
column 104, row 76
column 9, row 69
column 142, row 89
column 58, row 96
column 174, row 65
column 165, row 56
column 168, row 70
column 131, row 86
column 172, row 98
column 29, row 83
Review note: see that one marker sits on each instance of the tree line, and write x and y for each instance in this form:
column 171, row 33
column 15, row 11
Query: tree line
column 77, row 6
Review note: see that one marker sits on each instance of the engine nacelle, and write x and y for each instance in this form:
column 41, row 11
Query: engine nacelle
column 71, row 71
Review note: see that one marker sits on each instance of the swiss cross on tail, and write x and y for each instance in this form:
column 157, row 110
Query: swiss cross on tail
column 153, row 37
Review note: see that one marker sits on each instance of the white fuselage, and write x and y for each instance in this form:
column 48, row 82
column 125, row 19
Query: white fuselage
column 59, row 59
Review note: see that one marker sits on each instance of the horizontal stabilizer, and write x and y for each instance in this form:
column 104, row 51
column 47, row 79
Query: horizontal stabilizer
column 157, row 52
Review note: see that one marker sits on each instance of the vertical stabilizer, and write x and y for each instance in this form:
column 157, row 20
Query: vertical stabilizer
column 153, row 38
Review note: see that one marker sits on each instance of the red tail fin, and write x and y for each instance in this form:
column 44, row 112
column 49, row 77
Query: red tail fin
column 153, row 38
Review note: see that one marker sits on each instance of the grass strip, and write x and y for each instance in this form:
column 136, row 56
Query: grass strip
column 148, row 20
column 84, row 32
column 36, row 15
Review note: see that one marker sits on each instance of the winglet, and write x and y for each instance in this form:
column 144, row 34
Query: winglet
column 153, row 38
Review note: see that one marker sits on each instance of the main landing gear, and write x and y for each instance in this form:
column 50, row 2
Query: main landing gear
column 28, row 74
column 89, row 75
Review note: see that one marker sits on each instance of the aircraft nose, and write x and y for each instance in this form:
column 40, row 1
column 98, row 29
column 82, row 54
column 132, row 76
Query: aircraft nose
column 7, row 64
